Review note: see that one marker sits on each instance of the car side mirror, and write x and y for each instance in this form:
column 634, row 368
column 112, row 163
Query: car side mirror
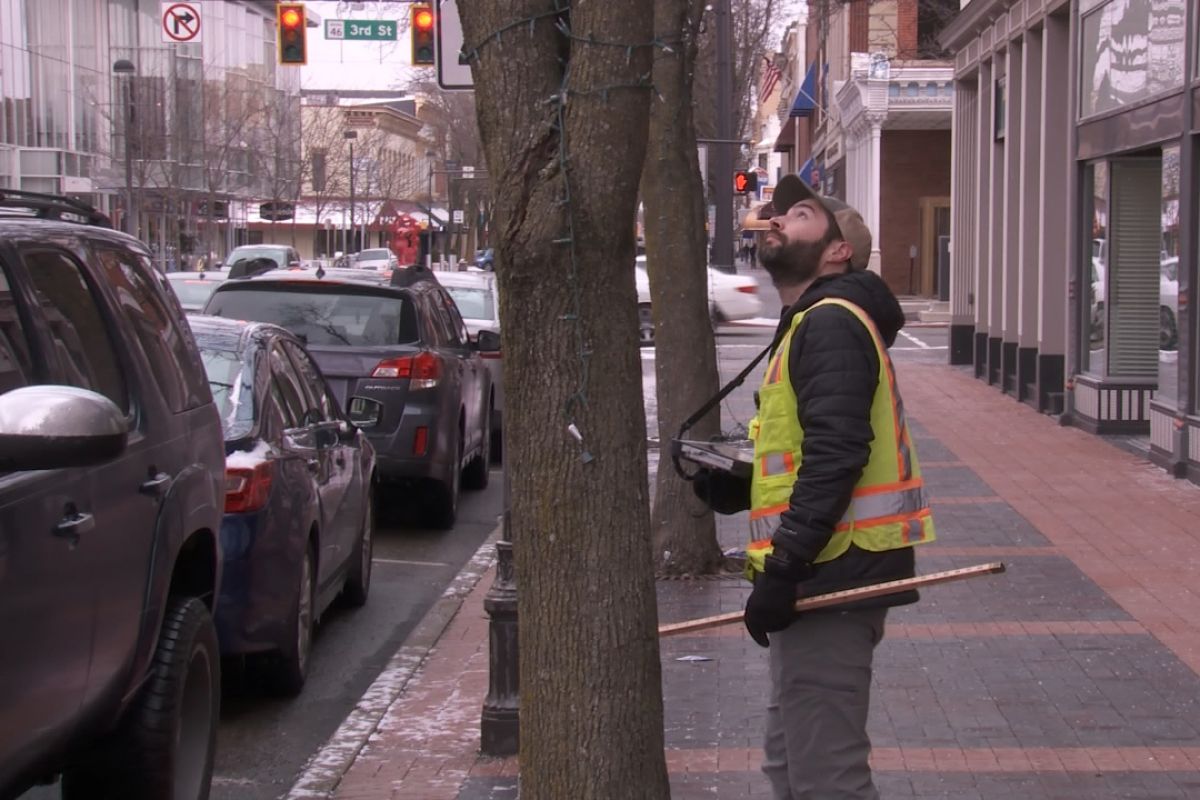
column 364, row 412
column 53, row 427
column 487, row 342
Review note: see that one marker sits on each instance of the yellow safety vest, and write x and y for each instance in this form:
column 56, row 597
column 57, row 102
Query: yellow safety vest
column 888, row 508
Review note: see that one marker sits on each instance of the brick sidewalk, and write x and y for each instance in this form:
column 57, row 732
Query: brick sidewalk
column 1075, row 675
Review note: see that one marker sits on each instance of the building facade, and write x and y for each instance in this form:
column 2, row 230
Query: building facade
column 881, row 99
column 1075, row 213
column 211, row 127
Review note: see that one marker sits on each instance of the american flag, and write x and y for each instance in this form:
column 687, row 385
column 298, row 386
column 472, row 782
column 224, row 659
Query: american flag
column 770, row 79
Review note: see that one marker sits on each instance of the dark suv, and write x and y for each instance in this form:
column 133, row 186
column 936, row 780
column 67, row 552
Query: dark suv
column 111, row 494
column 402, row 347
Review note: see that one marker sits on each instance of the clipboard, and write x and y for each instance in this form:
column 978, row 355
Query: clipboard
column 735, row 458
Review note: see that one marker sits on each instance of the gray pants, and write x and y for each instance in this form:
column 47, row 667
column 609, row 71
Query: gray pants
column 817, row 744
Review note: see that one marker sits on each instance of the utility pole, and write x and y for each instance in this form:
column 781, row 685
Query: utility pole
column 351, row 136
column 722, row 257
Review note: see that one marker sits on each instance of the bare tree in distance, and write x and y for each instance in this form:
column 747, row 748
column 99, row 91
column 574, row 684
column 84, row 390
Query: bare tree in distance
column 685, row 534
column 563, row 97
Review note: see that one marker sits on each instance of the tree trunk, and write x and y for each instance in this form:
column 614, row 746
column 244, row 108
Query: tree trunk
column 564, row 119
column 685, row 535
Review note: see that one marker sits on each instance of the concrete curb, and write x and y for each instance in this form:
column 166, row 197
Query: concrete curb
column 324, row 770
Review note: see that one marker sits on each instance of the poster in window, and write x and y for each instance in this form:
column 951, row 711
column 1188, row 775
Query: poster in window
column 1131, row 50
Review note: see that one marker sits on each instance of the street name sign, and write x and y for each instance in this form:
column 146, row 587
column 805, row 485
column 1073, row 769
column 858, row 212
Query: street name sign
column 180, row 22
column 453, row 71
column 362, row 30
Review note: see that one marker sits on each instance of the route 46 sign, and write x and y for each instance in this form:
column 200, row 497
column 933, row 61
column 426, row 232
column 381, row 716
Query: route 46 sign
column 180, row 22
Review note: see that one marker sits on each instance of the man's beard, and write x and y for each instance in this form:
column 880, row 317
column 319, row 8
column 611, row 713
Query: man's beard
column 791, row 263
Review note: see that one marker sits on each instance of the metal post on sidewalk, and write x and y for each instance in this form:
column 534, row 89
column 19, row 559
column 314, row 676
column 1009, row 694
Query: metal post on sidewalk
column 499, row 724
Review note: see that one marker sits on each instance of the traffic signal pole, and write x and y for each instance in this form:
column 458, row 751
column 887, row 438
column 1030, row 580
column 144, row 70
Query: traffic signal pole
column 722, row 254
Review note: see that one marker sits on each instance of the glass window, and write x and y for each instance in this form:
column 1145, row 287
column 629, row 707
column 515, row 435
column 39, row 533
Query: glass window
column 325, row 315
column 1168, row 281
column 459, row 328
column 1131, row 50
column 1095, row 267
column 473, row 303
column 79, row 333
column 167, row 349
column 16, row 367
column 232, row 385
column 289, row 395
column 314, row 384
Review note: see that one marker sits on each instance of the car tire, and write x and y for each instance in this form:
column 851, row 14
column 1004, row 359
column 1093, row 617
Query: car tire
column 358, row 582
column 287, row 670
column 475, row 477
column 442, row 511
column 164, row 747
column 645, row 325
column 1168, row 329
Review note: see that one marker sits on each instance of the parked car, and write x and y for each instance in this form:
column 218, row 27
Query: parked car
column 193, row 288
column 486, row 259
column 251, row 259
column 111, row 489
column 479, row 304
column 299, row 525
column 379, row 259
column 405, row 347
column 731, row 298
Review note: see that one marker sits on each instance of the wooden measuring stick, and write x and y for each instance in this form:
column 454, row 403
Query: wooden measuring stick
column 837, row 598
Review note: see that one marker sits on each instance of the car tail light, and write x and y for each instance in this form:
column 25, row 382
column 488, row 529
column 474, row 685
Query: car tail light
column 749, row 288
column 421, row 441
column 247, row 488
column 490, row 355
column 424, row 369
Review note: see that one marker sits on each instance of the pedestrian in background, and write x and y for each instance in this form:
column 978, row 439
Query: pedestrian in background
column 836, row 499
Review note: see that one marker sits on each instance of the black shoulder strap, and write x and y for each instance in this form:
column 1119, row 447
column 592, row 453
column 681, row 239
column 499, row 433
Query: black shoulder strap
column 712, row 402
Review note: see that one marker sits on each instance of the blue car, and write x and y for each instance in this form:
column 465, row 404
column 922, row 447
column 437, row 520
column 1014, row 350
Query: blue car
column 299, row 477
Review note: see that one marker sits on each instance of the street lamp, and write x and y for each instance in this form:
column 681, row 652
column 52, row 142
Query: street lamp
column 125, row 67
column 350, row 136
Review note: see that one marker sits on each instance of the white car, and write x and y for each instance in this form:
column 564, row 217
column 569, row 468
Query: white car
column 1168, row 299
column 379, row 259
column 474, row 293
column 730, row 298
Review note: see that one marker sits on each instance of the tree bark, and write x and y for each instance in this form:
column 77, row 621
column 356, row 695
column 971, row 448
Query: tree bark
column 685, row 535
column 564, row 124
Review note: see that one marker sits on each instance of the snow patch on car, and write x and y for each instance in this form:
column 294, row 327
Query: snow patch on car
column 248, row 459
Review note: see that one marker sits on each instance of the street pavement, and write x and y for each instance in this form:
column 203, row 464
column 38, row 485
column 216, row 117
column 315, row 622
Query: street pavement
column 1075, row 674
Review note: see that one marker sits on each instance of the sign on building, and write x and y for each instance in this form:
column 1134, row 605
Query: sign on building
column 180, row 22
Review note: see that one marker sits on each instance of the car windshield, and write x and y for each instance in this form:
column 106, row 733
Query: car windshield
column 323, row 315
column 232, row 389
column 473, row 303
column 373, row 255
column 193, row 292
column 276, row 254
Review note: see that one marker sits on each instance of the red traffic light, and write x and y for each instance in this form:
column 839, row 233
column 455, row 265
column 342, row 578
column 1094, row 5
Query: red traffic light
column 293, row 42
column 423, row 48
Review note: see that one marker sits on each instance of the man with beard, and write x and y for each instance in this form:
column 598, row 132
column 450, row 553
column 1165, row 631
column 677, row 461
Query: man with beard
column 836, row 499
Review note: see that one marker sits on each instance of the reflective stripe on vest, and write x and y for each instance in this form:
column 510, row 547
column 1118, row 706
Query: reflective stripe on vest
column 888, row 509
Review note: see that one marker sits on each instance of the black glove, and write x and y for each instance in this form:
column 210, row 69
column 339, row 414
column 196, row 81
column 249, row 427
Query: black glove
column 772, row 603
column 722, row 492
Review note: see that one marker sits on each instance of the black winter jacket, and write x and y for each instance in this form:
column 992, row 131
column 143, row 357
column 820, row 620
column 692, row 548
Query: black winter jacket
column 834, row 371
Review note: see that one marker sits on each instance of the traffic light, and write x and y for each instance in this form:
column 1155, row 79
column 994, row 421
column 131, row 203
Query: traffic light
column 293, row 47
column 745, row 181
column 422, row 36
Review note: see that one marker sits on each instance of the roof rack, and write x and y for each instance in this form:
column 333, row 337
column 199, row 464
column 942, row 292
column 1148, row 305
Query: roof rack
column 53, row 206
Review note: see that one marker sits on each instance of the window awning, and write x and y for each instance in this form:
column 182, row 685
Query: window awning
column 806, row 99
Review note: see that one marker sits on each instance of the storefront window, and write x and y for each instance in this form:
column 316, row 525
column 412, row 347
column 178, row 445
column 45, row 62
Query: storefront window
column 1168, row 285
column 1131, row 50
column 1134, row 274
column 1096, row 266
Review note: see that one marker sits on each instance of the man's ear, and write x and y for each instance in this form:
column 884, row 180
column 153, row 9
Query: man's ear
column 839, row 251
